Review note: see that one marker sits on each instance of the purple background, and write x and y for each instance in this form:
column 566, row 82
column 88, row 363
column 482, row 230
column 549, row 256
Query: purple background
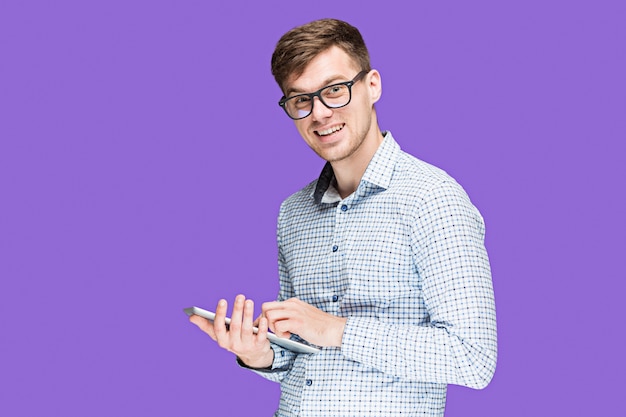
column 143, row 159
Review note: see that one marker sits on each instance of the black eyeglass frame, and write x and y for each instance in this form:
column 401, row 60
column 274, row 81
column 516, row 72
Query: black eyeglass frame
column 311, row 96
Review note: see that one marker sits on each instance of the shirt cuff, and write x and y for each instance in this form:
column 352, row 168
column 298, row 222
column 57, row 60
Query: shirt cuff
column 282, row 359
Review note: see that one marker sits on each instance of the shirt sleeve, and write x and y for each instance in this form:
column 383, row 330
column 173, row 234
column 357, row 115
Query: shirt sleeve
column 458, row 345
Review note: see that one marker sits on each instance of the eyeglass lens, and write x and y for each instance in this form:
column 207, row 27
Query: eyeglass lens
column 333, row 96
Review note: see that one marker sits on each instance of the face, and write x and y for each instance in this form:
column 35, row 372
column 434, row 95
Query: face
column 346, row 133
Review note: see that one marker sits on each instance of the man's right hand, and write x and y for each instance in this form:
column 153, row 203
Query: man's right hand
column 252, row 349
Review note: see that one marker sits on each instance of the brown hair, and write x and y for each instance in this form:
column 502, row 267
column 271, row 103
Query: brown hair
column 302, row 44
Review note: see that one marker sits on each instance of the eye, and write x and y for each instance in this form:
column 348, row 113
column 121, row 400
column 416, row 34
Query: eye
column 301, row 99
column 335, row 91
column 300, row 102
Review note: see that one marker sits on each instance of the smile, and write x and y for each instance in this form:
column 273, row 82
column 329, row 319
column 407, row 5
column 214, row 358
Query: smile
column 330, row 130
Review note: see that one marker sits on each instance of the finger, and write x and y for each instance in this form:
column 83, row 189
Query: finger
column 263, row 328
column 271, row 306
column 237, row 316
column 204, row 325
column 281, row 328
column 246, row 325
column 273, row 310
column 274, row 316
column 219, row 322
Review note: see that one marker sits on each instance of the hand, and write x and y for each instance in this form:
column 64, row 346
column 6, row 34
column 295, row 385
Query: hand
column 310, row 323
column 253, row 349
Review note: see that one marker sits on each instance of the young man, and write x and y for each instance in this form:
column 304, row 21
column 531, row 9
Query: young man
column 381, row 259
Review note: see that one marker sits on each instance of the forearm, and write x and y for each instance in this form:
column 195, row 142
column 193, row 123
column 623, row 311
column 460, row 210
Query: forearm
column 423, row 353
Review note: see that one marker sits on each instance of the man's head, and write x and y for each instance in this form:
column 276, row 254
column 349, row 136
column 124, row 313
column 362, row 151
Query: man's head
column 298, row 47
column 329, row 90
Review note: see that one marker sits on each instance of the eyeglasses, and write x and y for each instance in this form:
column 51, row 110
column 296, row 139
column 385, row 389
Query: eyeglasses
column 332, row 96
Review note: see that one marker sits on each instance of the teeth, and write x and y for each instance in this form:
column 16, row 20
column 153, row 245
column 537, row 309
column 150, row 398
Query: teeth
column 329, row 131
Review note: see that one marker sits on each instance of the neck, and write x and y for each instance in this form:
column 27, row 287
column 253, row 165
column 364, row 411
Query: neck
column 349, row 171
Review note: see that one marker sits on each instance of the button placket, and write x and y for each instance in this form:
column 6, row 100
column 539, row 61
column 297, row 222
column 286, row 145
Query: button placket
column 337, row 285
column 342, row 207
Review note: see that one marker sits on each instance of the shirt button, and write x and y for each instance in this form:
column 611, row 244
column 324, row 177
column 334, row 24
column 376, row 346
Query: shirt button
column 309, row 382
column 335, row 298
column 282, row 353
column 335, row 248
column 344, row 207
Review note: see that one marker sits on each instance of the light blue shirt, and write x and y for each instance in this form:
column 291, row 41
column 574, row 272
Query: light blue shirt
column 403, row 258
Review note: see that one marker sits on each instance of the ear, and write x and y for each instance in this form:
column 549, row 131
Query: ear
column 374, row 85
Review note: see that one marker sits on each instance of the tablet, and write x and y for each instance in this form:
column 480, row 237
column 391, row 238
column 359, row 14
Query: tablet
column 286, row 343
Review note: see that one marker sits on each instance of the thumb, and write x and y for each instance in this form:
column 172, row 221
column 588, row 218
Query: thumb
column 204, row 325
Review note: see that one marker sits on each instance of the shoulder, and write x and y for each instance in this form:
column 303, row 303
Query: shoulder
column 427, row 196
column 418, row 180
column 297, row 206
column 434, row 201
column 299, row 199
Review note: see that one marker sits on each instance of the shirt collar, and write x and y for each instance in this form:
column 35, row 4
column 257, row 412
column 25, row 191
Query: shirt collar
column 378, row 173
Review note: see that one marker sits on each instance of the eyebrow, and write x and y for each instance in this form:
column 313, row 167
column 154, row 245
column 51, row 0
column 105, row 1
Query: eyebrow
column 328, row 81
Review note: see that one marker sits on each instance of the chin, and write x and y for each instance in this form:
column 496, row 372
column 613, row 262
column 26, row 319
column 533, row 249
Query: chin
column 335, row 155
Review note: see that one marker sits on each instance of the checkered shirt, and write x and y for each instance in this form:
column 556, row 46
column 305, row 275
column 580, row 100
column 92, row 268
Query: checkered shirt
column 403, row 258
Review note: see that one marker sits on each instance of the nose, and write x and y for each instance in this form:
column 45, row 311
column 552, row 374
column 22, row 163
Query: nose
column 320, row 111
